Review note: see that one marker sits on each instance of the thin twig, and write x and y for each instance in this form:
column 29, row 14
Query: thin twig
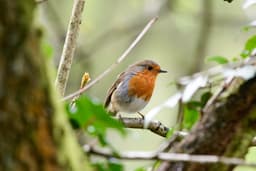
column 174, row 157
column 218, row 93
column 69, row 46
column 180, row 115
column 165, row 146
column 214, row 71
column 154, row 126
column 222, row 124
column 120, row 59
column 176, row 137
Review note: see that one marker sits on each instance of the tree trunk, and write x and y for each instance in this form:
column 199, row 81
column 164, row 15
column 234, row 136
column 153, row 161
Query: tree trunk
column 33, row 131
column 226, row 129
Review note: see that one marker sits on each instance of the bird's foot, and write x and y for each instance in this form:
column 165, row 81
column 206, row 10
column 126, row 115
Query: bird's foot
column 142, row 116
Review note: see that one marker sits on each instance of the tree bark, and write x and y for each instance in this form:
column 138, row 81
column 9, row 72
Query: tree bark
column 33, row 133
column 226, row 129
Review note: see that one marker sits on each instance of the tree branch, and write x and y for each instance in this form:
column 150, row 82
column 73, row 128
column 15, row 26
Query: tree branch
column 145, row 155
column 154, row 126
column 119, row 60
column 69, row 46
column 224, row 123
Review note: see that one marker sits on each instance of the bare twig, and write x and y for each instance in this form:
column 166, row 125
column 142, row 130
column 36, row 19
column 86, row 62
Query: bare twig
column 218, row 93
column 145, row 155
column 180, row 115
column 120, row 59
column 165, row 146
column 69, row 46
column 154, row 126
column 215, row 71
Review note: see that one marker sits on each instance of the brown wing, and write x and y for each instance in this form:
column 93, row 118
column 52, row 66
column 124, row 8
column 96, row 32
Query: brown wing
column 112, row 89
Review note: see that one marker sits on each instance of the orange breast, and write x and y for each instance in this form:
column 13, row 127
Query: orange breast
column 142, row 85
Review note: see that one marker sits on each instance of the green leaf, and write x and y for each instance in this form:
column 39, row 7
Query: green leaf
column 249, row 47
column 205, row 97
column 74, row 123
column 191, row 116
column 170, row 133
column 141, row 169
column 194, row 105
column 93, row 117
column 100, row 166
column 81, row 113
column 217, row 59
column 115, row 166
column 156, row 164
column 110, row 165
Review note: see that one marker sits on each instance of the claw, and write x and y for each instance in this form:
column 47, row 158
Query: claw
column 142, row 116
column 119, row 117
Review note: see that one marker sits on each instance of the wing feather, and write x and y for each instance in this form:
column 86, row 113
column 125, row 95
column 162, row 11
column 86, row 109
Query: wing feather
column 112, row 89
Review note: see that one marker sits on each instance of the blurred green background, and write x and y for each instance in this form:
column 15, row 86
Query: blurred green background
column 185, row 34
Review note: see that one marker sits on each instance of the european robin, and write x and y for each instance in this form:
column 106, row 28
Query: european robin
column 133, row 88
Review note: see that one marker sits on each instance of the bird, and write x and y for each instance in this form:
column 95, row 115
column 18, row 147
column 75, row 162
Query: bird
column 133, row 89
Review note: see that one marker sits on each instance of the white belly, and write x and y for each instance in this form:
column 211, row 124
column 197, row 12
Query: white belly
column 134, row 106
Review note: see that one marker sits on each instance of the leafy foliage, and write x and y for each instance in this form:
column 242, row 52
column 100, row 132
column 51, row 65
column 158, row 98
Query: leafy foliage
column 191, row 115
column 192, row 110
column 170, row 132
column 205, row 97
column 91, row 116
column 109, row 166
column 217, row 59
column 249, row 47
column 141, row 169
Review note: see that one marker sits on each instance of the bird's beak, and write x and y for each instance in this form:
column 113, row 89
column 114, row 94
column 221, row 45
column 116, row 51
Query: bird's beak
column 162, row 71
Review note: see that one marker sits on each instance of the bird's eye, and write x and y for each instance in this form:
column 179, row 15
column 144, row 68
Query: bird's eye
column 150, row 68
